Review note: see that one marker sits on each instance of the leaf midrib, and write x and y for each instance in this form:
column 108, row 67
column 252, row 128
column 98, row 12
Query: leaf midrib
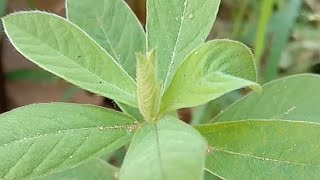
column 103, row 128
column 257, row 157
column 173, row 55
column 159, row 152
column 108, row 40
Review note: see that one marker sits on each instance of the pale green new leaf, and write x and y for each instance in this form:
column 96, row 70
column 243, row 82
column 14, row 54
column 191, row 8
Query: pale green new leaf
column 148, row 86
column 264, row 149
column 175, row 28
column 60, row 47
column 94, row 170
column 168, row 150
column 39, row 139
column 113, row 25
column 212, row 70
column 291, row 98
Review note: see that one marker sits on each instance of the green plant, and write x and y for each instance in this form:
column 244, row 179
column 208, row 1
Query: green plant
column 98, row 50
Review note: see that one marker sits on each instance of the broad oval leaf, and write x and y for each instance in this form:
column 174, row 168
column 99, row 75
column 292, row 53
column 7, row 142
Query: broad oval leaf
column 168, row 150
column 93, row 170
column 39, row 139
column 113, row 25
column 291, row 98
column 60, row 47
column 175, row 28
column 212, row 70
column 264, row 149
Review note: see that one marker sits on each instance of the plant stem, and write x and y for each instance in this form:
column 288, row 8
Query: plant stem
column 266, row 12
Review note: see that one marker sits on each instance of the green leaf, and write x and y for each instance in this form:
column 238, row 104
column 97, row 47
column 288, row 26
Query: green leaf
column 131, row 111
column 204, row 113
column 60, row 47
column 169, row 149
column 148, row 86
column 210, row 176
column 291, row 98
column 94, row 170
column 212, row 70
column 40, row 139
column 175, row 28
column 113, row 25
column 263, row 149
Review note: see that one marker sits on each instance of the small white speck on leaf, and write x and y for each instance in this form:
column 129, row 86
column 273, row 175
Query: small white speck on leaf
column 185, row 3
column 209, row 150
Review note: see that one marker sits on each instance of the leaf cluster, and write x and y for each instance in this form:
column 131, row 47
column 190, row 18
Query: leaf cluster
column 101, row 47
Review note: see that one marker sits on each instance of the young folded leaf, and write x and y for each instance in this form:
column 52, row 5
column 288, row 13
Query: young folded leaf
column 113, row 25
column 40, row 139
column 264, row 149
column 166, row 150
column 175, row 28
column 148, row 86
column 62, row 48
column 285, row 98
column 210, row 71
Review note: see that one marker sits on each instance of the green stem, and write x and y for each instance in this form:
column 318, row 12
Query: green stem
column 266, row 12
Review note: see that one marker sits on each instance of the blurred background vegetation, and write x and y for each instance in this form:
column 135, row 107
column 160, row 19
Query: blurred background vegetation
column 283, row 34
